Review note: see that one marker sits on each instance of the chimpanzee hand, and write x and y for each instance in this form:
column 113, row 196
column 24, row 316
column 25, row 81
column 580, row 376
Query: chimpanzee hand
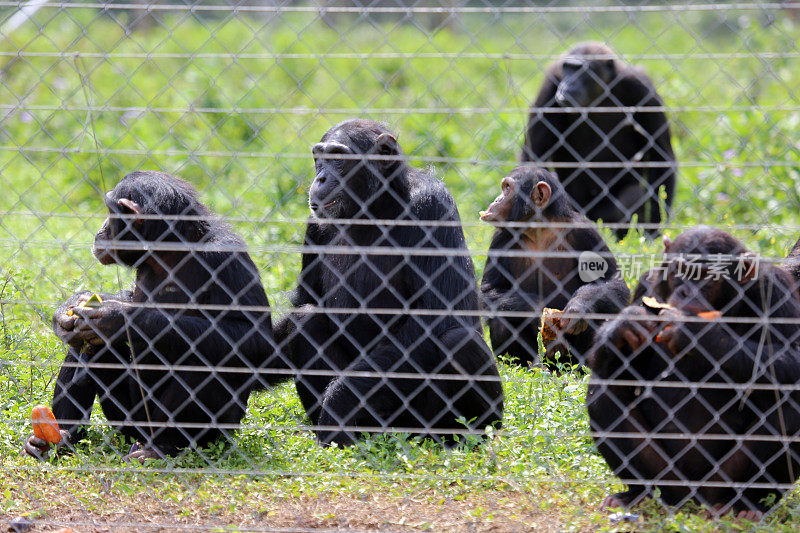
column 632, row 329
column 679, row 335
column 100, row 325
column 576, row 323
column 64, row 325
column 40, row 448
column 618, row 339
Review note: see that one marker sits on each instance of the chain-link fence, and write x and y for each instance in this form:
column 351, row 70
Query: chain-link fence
column 398, row 265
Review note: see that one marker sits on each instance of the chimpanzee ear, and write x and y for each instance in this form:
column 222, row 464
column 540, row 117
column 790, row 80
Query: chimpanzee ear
column 667, row 242
column 386, row 144
column 133, row 207
column 541, row 194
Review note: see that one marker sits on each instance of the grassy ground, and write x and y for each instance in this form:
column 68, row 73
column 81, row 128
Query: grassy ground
column 171, row 96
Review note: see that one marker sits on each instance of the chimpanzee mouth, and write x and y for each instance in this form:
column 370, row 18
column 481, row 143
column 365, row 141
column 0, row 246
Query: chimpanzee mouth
column 323, row 209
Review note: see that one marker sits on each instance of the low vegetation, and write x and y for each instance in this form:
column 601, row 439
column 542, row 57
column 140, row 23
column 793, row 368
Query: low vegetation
column 233, row 104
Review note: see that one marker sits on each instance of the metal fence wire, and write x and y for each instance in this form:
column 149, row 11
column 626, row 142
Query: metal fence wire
column 399, row 265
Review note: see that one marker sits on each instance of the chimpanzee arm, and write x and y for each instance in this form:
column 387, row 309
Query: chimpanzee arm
column 234, row 336
column 63, row 324
column 441, row 276
column 75, row 391
column 544, row 129
column 776, row 360
column 622, row 345
column 500, row 295
column 497, row 286
column 73, row 396
column 658, row 148
column 602, row 296
column 606, row 295
column 745, row 351
column 309, row 292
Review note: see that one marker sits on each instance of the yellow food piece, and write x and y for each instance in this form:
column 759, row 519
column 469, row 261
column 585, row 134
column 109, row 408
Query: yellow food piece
column 652, row 303
column 93, row 302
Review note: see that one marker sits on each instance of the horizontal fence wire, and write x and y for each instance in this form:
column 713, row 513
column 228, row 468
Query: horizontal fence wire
column 399, row 265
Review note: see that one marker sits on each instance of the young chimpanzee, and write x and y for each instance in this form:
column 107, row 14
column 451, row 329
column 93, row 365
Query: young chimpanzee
column 386, row 334
column 544, row 261
column 174, row 360
column 697, row 400
column 577, row 121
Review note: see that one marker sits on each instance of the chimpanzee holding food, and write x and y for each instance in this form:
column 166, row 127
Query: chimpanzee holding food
column 691, row 391
column 545, row 257
column 600, row 123
column 172, row 361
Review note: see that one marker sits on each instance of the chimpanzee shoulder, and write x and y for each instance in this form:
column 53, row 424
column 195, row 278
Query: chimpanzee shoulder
column 429, row 197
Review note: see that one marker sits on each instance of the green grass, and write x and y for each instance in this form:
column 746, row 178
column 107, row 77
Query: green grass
column 240, row 129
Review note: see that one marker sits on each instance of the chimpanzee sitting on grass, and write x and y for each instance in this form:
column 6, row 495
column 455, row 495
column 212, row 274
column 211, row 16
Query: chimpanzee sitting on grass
column 172, row 361
column 692, row 390
column 385, row 334
column 537, row 260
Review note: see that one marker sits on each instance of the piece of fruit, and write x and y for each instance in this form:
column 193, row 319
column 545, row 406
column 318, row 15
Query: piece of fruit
column 709, row 315
column 652, row 303
column 551, row 323
column 94, row 302
column 705, row 315
column 45, row 426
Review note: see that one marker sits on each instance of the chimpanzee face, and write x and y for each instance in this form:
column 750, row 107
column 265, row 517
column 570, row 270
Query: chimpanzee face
column 522, row 198
column 694, row 289
column 501, row 207
column 122, row 224
column 708, row 270
column 352, row 168
column 334, row 164
column 584, row 82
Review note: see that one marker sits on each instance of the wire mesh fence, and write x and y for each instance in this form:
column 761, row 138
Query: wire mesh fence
column 398, row 265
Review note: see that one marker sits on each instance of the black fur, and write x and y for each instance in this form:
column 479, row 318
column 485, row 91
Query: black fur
column 571, row 138
column 154, row 406
column 318, row 338
column 691, row 354
column 529, row 284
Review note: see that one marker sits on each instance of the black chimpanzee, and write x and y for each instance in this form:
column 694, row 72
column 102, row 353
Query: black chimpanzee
column 386, row 333
column 196, row 323
column 553, row 259
column 697, row 400
column 611, row 161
